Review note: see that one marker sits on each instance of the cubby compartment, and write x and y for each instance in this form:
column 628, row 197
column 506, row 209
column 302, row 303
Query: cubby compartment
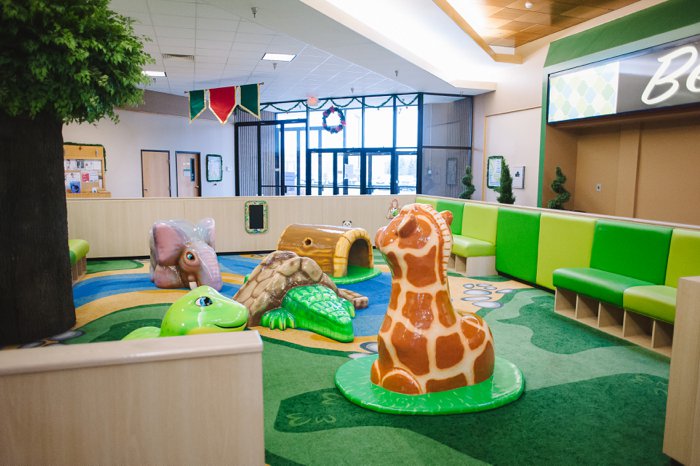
column 662, row 337
column 587, row 310
column 637, row 329
column 565, row 302
column 610, row 319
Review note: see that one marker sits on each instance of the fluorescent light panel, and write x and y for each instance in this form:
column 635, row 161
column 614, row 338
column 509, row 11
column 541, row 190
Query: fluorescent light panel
column 155, row 74
column 278, row 56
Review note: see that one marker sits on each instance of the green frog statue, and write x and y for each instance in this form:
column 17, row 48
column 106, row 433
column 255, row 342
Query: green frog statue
column 202, row 310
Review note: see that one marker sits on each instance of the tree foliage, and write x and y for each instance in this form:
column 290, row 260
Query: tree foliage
column 558, row 187
column 73, row 60
column 468, row 185
column 505, row 190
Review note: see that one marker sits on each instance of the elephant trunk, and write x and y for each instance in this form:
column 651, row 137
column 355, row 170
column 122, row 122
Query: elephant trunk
column 209, row 272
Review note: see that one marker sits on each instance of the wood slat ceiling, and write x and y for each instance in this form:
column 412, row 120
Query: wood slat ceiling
column 511, row 24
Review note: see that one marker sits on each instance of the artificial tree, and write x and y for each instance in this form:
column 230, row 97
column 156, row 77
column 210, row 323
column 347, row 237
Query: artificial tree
column 468, row 185
column 505, row 190
column 61, row 61
column 558, row 187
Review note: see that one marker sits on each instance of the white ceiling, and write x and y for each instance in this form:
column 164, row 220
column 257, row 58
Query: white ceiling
column 343, row 47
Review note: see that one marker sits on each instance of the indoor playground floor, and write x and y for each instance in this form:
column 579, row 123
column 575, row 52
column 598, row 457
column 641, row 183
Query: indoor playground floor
column 589, row 398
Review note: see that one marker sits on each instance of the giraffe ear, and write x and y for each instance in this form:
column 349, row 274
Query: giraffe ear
column 447, row 215
column 407, row 226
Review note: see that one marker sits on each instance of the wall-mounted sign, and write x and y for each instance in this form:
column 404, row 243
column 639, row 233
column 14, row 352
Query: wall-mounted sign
column 493, row 171
column 664, row 76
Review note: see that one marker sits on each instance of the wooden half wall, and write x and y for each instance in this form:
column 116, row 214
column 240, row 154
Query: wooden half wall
column 177, row 400
column 120, row 227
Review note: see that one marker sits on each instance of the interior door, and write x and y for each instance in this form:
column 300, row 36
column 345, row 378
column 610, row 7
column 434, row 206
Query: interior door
column 188, row 176
column 155, row 169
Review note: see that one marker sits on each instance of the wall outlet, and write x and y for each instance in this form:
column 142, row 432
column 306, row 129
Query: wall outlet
column 598, row 187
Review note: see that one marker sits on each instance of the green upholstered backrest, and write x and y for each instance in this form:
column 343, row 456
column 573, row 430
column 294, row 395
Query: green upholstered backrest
column 456, row 207
column 633, row 250
column 79, row 247
column 479, row 221
column 426, row 200
column 683, row 257
column 517, row 238
column 565, row 241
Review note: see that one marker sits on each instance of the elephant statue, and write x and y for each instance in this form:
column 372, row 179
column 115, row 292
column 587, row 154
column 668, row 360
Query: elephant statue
column 183, row 256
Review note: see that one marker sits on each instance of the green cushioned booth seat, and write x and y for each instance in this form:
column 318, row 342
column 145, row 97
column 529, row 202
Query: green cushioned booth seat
column 456, row 207
column 78, row 249
column 598, row 284
column 471, row 247
column 517, row 237
column 426, row 200
column 565, row 241
column 633, row 250
column 656, row 301
column 683, row 257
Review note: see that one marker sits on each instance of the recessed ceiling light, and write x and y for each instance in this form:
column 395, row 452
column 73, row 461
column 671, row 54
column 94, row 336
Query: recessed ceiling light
column 528, row 5
column 278, row 56
column 154, row 74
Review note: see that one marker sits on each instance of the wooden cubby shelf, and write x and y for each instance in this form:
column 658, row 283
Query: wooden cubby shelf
column 481, row 266
column 636, row 328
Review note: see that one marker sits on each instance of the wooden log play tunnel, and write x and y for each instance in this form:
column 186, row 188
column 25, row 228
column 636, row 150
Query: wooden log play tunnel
column 333, row 248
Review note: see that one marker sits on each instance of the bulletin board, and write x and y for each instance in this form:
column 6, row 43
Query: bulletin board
column 84, row 170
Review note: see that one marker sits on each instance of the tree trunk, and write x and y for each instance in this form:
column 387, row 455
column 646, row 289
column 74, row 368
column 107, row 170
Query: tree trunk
column 36, row 294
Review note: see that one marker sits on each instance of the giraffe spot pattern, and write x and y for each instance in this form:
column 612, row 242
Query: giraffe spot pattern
column 419, row 238
column 384, row 359
column 441, row 385
column 448, row 351
column 421, row 270
column 393, row 264
column 472, row 326
column 445, row 312
column 483, row 365
column 386, row 324
column 417, row 309
column 411, row 349
column 401, row 382
column 394, row 299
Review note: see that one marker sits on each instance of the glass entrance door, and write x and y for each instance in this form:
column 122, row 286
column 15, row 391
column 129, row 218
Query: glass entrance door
column 379, row 179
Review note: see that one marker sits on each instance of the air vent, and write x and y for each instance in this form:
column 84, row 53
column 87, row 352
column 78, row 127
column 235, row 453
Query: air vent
column 178, row 57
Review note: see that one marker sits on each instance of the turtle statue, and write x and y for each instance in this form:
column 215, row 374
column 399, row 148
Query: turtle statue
column 202, row 310
column 286, row 290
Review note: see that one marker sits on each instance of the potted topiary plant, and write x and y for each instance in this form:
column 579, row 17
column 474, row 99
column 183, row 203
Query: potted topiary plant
column 61, row 61
column 558, row 187
column 505, row 190
column 468, row 185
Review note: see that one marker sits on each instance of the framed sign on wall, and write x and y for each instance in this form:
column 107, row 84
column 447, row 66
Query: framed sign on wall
column 493, row 171
column 256, row 217
column 214, row 167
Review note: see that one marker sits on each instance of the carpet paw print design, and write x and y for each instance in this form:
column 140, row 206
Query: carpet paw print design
column 484, row 295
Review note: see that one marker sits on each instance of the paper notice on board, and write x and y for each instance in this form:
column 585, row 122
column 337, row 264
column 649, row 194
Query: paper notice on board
column 85, row 177
column 93, row 176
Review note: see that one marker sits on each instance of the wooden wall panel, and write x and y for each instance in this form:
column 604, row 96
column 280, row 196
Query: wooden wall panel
column 597, row 163
column 179, row 400
column 120, row 227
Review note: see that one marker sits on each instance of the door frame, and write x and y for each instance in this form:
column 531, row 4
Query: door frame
column 199, row 171
column 170, row 193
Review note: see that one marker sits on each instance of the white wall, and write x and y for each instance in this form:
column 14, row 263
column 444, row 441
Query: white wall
column 138, row 131
column 520, row 147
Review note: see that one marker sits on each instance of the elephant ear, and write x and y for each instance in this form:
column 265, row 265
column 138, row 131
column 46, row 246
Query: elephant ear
column 205, row 229
column 168, row 242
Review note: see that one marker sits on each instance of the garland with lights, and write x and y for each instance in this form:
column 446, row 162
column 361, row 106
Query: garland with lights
column 341, row 124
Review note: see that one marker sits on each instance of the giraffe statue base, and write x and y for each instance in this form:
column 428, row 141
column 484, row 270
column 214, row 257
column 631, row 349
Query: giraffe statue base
column 503, row 387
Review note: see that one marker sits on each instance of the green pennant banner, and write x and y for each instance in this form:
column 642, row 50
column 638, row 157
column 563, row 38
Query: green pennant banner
column 197, row 104
column 248, row 98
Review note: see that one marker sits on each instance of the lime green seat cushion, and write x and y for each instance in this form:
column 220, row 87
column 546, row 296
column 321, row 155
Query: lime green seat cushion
column 517, row 237
column 598, row 284
column 633, row 250
column 426, row 200
column 684, row 256
column 565, row 241
column 656, row 301
column 479, row 221
column 456, row 207
column 471, row 247
column 78, row 249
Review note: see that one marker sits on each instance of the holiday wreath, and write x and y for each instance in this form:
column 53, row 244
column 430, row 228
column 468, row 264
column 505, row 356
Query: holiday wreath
column 341, row 123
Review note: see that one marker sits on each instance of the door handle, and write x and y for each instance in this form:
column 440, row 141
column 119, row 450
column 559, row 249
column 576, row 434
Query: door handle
column 145, row 189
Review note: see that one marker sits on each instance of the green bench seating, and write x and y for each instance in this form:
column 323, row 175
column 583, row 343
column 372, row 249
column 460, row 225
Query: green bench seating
column 78, row 249
column 618, row 276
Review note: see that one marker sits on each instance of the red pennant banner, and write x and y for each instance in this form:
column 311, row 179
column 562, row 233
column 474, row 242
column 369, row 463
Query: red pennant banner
column 222, row 101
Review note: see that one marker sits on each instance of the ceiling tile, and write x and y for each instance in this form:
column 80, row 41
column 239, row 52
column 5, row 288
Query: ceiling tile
column 210, row 11
column 164, row 7
column 207, row 34
column 181, row 33
column 217, row 24
column 214, row 44
column 173, row 21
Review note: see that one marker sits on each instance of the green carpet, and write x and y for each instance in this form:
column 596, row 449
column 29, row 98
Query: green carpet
column 95, row 266
column 589, row 399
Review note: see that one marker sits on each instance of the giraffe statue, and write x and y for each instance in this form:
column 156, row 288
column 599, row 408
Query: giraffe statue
column 424, row 345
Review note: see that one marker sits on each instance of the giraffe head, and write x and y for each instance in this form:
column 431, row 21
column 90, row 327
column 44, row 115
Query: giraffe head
column 416, row 230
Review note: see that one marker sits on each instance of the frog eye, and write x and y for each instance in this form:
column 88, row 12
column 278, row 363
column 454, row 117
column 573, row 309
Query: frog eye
column 189, row 256
column 204, row 301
